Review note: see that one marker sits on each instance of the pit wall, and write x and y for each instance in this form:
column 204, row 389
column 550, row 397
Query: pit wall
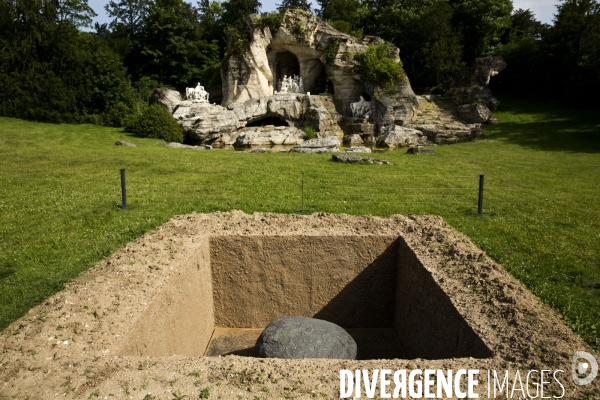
column 367, row 282
column 180, row 320
column 427, row 323
column 343, row 279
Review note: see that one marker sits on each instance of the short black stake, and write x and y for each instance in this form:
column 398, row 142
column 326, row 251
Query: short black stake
column 480, row 204
column 123, row 189
column 302, row 190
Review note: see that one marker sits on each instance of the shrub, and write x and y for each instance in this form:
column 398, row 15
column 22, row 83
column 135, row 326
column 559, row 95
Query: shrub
column 298, row 30
column 155, row 122
column 332, row 50
column 310, row 132
column 340, row 25
column 236, row 42
column 273, row 20
column 380, row 68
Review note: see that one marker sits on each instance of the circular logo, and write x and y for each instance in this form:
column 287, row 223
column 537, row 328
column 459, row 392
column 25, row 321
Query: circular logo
column 581, row 368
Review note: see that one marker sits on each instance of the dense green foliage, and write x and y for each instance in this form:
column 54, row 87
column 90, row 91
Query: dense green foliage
column 52, row 71
column 303, row 5
column 560, row 61
column 155, row 122
column 59, row 199
column 271, row 20
column 379, row 67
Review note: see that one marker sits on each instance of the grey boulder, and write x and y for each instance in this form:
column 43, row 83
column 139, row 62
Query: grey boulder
column 351, row 159
column 166, row 97
column 329, row 144
column 358, row 149
column 301, row 337
column 474, row 113
column 124, row 143
column 399, row 136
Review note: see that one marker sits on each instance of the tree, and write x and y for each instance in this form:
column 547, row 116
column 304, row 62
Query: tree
column 171, row 48
column 432, row 49
column 574, row 44
column 76, row 12
column 128, row 15
column 294, row 4
column 481, row 22
column 526, row 55
column 523, row 25
column 211, row 20
column 430, row 46
column 338, row 10
column 236, row 11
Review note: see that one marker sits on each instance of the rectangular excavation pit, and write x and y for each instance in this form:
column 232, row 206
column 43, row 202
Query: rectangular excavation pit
column 372, row 286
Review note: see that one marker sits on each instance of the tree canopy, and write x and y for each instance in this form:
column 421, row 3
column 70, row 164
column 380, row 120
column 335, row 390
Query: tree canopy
column 51, row 70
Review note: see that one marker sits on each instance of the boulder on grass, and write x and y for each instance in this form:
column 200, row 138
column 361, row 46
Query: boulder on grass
column 420, row 150
column 329, row 144
column 350, row 159
column 395, row 136
column 302, row 337
column 124, row 143
column 474, row 113
column 358, row 149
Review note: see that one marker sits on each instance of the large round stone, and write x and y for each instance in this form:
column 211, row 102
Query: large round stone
column 301, row 337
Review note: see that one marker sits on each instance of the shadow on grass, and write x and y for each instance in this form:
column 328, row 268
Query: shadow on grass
column 546, row 126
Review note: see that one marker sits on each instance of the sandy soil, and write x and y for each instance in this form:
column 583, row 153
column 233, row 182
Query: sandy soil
column 70, row 345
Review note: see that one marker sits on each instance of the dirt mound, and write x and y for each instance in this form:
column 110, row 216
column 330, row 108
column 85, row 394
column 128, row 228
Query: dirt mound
column 139, row 323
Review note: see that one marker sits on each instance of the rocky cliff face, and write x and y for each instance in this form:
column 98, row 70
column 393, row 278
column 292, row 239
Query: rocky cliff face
column 213, row 124
column 253, row 113
column 308, row 47
column 472, row 82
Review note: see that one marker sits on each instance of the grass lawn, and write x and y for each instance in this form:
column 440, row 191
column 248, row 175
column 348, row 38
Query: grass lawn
column 60, row 196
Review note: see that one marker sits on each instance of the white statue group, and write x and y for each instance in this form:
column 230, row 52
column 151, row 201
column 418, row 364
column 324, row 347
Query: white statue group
column 361, row 108
column 290, row 85
column 197, row 94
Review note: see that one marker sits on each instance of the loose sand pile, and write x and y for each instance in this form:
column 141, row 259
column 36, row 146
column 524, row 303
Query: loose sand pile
column 76, row 344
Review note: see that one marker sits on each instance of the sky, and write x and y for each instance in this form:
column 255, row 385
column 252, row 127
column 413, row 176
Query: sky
column 543, row 9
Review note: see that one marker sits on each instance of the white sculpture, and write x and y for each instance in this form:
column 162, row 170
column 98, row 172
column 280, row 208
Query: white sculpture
column 291, row 84
column 197, row 94
column 361, row 108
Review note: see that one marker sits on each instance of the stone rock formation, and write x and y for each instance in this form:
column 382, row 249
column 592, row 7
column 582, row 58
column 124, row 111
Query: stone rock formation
column 209, row 123
column 260, row 150
column 448, row 134
column 358, row 149
column 166, row 97
column 474, row 113
column 472, row 82
column 420, row 150
column 124, row 143
column 301, row 337
column 175, row 145
column 269, row 136
column 306, row 46
column 328, row 144
column 321, row 86
column 350, row 159
column 353, row 139
column 399, row 136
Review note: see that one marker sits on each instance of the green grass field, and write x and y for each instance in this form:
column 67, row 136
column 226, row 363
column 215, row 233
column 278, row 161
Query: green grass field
column 60, row 197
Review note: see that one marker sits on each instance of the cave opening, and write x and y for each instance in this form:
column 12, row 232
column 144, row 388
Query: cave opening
column 268, row 121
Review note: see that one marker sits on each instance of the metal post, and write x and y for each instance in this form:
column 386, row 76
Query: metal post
column 123, row 189
column 480, row 204
column 302, row 190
